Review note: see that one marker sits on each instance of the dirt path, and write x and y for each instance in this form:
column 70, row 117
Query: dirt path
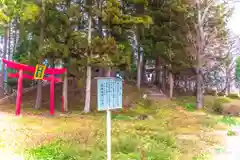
column 154, row 93
column 230, row 149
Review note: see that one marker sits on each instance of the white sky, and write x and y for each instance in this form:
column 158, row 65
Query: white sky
column 234, row 23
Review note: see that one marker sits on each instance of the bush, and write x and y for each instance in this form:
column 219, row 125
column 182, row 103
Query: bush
column 210, row 92
column 217, row 105
column 221, row 93
column 233, row 96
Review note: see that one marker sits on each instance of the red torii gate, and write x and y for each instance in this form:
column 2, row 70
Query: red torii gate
column 21, row 76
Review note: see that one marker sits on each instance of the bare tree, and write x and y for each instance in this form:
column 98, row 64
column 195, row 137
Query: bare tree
column 205, row 37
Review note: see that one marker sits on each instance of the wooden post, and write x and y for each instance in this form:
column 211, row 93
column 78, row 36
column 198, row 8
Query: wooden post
column 19, row 93
column 52, row 95
column 63, row 103
column 65, row 93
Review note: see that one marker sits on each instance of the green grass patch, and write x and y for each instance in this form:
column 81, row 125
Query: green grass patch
column 190, row 107
column 57, row 150
column 202, row 156
column 227, row 120
column 231, row 133
column 121, row 117
column 130, row 144
column 188, row 103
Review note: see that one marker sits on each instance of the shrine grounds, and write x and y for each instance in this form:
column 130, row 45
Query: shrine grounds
column 167, row 132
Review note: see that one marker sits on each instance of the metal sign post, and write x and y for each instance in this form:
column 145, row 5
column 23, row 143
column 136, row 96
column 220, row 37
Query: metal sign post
column 109, row 127
column 109, row 98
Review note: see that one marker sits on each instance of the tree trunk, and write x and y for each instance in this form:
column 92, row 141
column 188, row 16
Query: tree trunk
column 139, row 68
column 39, row 95
column 201, row 44
column 89, row 68
column 199, row 80
column 88, row 90
column 143, row 70
column 9, row 41
column 108, row 72
column 39, row 82
column 157, row 70
column 5, row 47
column 15, row 36
column 185, row 83
column 100, row 25
column 199, row 91
column 171, row 82
column 160, row 77
column 8, row 57
column 228, row 85
column 65, row 92
column 164, row 76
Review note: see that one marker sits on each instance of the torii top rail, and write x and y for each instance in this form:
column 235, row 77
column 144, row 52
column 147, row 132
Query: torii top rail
column 22, row 67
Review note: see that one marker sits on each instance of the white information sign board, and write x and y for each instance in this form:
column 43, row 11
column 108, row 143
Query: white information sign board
column 109, row 93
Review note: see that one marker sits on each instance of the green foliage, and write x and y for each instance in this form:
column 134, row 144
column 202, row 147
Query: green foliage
column 3, row 18
column 26, row 11
column 65, row 35
column 166, row 37
column 30, row 12
column 106, row 52
column 218, row 102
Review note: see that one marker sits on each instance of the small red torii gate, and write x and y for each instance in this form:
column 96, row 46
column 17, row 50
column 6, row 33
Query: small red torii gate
column 22, row 67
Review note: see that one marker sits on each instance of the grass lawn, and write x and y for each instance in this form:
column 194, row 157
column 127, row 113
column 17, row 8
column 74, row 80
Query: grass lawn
column 168, row 134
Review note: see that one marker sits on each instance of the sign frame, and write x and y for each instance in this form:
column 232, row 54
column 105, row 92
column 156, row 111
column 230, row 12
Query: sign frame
column 39, row 68
column 109, row 97
column 109, row 93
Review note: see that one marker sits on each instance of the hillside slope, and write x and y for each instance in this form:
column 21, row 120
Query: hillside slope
column 75, row 95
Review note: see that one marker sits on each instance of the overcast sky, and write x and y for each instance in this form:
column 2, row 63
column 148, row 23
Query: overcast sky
column 234, row 23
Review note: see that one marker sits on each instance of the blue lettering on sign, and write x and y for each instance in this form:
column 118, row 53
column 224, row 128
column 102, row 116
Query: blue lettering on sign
column 109, row 93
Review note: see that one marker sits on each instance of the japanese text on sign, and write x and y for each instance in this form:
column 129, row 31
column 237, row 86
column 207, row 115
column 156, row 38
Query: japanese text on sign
column 109, row 93
column 39, row 71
